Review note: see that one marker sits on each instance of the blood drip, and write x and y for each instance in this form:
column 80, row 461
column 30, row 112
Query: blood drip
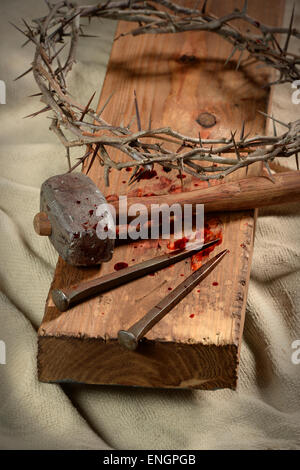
column 120, row 265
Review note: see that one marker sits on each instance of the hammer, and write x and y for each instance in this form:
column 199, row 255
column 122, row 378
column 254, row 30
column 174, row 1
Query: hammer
column 69, row 202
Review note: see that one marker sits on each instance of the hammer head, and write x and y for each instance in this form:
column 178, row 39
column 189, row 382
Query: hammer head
column 70, row 202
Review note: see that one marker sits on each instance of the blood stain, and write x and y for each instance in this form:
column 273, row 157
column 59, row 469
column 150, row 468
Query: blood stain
column 178, row 244
column 129, row 168
column 192, row 315
column 146, row 175
column 91, row 212
column 169, row 288
column 181, row 177
column 212, row 230
column 215, row 283
column 120, row 265
column 78, row 202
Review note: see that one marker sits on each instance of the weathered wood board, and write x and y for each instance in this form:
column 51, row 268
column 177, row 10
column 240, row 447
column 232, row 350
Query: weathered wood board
column 197, row 345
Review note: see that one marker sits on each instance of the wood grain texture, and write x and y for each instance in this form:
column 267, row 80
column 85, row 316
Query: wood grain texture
column 247, row 193
column 176, row 78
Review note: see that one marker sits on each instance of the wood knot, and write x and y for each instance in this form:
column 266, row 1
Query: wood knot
column 187, row 59
column 206, row 120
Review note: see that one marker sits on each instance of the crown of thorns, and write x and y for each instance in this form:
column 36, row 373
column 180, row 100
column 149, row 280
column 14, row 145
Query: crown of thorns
column 77, row 125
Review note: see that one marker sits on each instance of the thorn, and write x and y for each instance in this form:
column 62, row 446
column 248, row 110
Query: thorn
column 150, row 121
column 80, row 160
column 136, row 176
column 239, row 60
column 43, row 110
column 93, row 157
column 274, row 128
column 137, row 112
column 133, row 174
column 87, row 106
column 89, row 36
column 200, row 141
column 68, row 158
column 290, row 31
column 277, row 120
column 245, row 7
column 277, row 43
column 235, row 147
column 247, row 167
column 269, row 171
column 23, row 74
column 243, row 131
column 25, row 43
column 131, row 122
column 57, row 53
column 234, row 49
column 34, row 95
column 203, row 11
column 105, row 104
column 297, row 161
column 18, row 29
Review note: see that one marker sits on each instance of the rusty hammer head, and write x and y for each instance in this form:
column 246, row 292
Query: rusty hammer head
column 68, row 216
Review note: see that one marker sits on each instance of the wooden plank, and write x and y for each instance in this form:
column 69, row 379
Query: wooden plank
column 197, row 345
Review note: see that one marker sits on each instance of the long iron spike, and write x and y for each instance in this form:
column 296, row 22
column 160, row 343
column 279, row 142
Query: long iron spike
column 130, row 338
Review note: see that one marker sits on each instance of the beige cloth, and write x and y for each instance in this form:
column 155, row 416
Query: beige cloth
column 263, row 413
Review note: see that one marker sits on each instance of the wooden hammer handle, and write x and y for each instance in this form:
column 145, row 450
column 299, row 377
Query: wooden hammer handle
column 248, row 193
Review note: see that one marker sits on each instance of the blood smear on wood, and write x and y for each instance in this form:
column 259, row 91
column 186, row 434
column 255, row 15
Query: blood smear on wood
column 120, row 265
column 212, row 230
column 178, row 244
